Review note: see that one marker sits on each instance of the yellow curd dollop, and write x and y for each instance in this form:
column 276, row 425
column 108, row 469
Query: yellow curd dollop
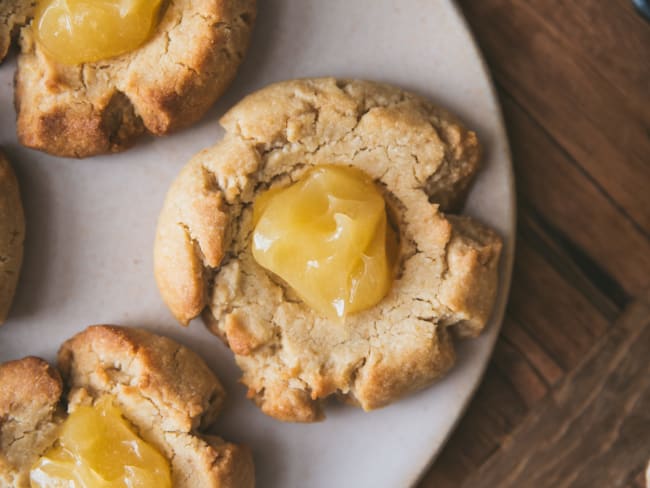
column 80, row 31
column 329, row 238
column 98, row 448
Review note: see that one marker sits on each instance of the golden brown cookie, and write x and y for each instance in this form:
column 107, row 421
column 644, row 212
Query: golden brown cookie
column 30, row 411
column 165, row 390
column 13, row 15
column 292, row 358
column 12, row 235
column 166, row 84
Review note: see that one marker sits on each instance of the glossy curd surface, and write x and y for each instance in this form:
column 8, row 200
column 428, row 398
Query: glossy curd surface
column 98, row 448
column 329, row 238
column 80, row 31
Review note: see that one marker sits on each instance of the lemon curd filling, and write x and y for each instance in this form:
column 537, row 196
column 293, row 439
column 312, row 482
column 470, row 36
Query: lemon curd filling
column 80, row 31
column 97, row 448
column 329, row 238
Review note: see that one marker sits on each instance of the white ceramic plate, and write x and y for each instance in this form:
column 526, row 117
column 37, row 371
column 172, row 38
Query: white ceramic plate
column 91, row 226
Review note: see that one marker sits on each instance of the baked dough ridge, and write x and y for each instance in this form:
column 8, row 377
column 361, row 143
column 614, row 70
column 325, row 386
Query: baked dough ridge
column 30, row 412
column 166, row 84
column 14, row 14
column 165, row 390
column 424, row 161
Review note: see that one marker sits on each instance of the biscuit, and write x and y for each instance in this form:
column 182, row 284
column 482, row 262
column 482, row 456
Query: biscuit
column 12, row 236
column 30, row 411
column 13, row 15
column 164, row 85
column 165, row 390
column 292, row 358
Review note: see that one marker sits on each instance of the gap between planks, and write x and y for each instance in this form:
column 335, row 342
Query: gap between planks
column 594, row 429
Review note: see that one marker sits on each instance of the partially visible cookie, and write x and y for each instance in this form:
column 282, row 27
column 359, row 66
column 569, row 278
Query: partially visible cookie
column 30, row 411
column 422, row 159
column 165, row 390
column 164, row 85
column 12, row 235
column 13, row 15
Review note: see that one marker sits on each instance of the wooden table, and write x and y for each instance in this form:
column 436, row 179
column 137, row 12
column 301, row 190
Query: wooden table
column 566, row 397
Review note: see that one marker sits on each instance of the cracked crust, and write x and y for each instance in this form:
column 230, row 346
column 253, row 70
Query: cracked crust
column 164, row 85
column 13, row 15
column 165, row 390
column 30, row 390
column 12, row 236
column 292, row 358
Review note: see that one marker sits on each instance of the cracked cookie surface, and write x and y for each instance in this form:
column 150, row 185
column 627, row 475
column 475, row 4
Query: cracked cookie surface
column 30, row 412
column 165, row 390
column 164, row 85
column 292, row 358
column 12, row 235
column 13, row 15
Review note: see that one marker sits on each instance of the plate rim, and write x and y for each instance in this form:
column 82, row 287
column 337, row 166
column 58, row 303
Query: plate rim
column 507, row 256
column 414, row 471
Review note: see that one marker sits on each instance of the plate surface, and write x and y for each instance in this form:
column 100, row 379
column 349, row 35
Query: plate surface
column 91, row 225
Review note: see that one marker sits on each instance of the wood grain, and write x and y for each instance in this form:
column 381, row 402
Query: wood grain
column 565, row 401
column 594, row 430
column 556, row 187
column 561, row 317
column 607, row 34
column 563, row 89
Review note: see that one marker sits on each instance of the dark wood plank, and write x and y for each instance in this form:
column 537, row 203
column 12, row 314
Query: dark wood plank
column 571, row 262
column 609, row 35
column 641, row 480
column 594, row 429
column 562, row 88
column 513, row 333
column 555, row 187
column 513, row 365
column 551, row 310
column 485, row 431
